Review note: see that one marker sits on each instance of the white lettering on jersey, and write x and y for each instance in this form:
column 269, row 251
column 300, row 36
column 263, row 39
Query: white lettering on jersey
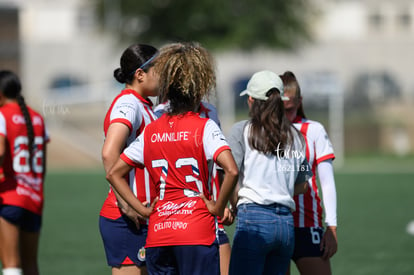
column 169, row 137
column 19, row 119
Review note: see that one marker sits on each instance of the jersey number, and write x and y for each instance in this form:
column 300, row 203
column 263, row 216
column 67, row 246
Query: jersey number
column 178, row 164
column 316, row 238
column 21, row 155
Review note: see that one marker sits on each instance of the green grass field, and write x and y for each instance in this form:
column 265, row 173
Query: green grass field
column 374, row 209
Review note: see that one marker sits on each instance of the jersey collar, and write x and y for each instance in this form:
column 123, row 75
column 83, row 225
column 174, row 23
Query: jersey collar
column 145, row 100
column 297, row 119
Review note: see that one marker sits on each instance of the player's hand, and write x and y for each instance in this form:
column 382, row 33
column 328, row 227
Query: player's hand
column 211, row 205
column 228, row 217
column 329, row 242
column 130, row 213
column 147, row 211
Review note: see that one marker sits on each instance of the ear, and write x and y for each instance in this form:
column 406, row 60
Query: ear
column 2, row 99
column 250, row 100
column 139, row 75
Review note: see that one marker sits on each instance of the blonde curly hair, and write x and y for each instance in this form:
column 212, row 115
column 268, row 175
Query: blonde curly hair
column 187, row 75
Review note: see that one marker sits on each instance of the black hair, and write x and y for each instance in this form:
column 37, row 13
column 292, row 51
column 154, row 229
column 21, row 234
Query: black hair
column 10, row 87
column 132, row 59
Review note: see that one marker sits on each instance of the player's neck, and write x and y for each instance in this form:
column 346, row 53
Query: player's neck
column 4, row 101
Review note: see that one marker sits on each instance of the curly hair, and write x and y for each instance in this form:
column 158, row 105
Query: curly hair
column 187, row 75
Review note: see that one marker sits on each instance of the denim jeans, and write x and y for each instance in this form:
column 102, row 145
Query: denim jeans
column 264, row 239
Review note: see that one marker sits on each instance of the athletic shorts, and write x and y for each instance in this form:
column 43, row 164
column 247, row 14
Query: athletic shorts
column 24, row 219
column 123, row 241
column 183, row 259
column 222, row 236
column 307, row 241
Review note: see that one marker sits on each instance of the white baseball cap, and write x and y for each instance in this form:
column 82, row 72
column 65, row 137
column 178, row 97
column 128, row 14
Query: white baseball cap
column 261, row 82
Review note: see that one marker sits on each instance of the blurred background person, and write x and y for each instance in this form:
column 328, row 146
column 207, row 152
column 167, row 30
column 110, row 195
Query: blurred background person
column 23, row 139
column 270, row 154
column 123, row 232
column 314, row 245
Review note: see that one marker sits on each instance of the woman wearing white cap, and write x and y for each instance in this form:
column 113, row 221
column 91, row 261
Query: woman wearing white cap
column 271, row 157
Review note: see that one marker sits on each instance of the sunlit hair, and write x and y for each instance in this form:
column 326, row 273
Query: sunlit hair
column 187, row 75
column 270, row 128
column 291, row 85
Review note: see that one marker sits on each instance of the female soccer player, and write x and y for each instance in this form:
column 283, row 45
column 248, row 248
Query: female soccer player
column 208, row 110
column 314, row 246
column 123, row 233
column 23, row 141
column 270, row 154
column 176, row 149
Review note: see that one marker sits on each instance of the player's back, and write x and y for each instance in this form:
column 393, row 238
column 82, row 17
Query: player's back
column 175, row 157
column 178, row 139
column 22, row 182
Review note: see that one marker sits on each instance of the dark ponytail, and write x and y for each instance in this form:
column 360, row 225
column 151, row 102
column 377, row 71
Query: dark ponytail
column 270, row 129
column 10, row 87
column 133, row 58
column 29, row 127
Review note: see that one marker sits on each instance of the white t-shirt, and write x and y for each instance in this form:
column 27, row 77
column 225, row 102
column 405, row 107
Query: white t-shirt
column 266, row 178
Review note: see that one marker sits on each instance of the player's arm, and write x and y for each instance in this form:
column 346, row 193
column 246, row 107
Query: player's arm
column 301, row 188
column 115, row 140
column 229, row 215
column 301, row 182
column 326, row 177
column 226, row 161
column 2, row 138
column 116, row 177
column 2, row 148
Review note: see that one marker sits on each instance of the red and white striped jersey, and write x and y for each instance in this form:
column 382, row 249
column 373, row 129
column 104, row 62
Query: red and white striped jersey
column 135, row 112
column 21, row 184
column 318, row 148
column 176, row 151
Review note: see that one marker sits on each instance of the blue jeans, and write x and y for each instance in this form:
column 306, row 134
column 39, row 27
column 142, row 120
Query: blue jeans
column 264, row 240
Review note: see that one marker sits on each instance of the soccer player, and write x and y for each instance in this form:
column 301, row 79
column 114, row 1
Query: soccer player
column 123, row 232
column 314, row 246
column 23, row 141
column 176, row 150
column 208, row 110
column 270, row 154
